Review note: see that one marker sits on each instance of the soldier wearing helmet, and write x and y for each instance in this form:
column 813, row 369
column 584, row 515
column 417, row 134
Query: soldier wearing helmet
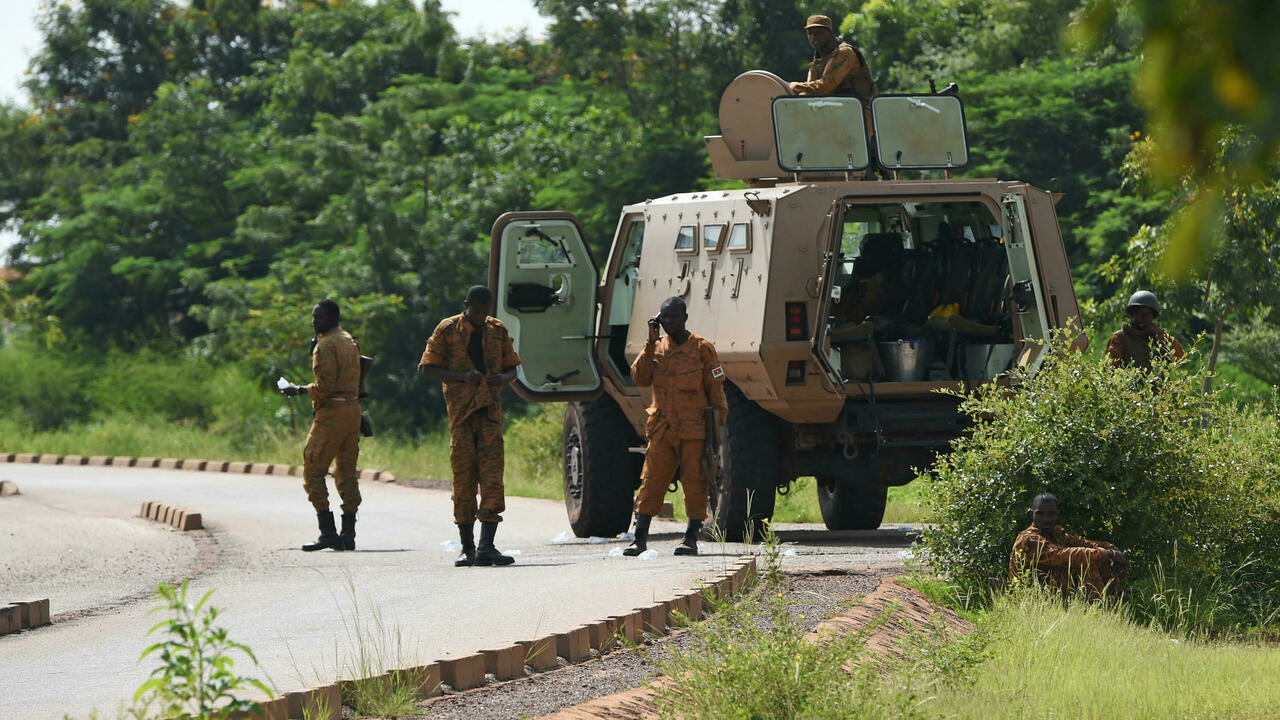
column 1062, row 560
column 1142, row 337
column 838, row 68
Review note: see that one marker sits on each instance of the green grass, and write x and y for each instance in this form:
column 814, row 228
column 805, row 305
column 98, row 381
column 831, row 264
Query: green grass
column 1087, row 661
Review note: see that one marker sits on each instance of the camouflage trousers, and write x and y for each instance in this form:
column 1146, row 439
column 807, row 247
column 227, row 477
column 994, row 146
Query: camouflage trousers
column 667, row 452
column 335, row 435
column 476, row 456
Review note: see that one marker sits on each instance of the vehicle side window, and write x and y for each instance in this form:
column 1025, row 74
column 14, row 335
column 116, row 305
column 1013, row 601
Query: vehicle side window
column 686, row 239
column 539, row 252
column 740, row 237
column 629, row 268
column 712, row 237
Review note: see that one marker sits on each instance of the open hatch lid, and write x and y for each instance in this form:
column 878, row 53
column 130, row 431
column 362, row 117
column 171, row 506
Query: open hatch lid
column 820, row 133
column 920, row 132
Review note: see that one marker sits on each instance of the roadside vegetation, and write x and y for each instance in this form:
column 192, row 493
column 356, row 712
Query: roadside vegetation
column 1184, row 482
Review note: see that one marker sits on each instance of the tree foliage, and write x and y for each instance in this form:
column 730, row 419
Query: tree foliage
column 198, row 174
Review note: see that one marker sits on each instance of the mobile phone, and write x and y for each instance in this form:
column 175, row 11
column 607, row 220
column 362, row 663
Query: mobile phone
column 653, row 322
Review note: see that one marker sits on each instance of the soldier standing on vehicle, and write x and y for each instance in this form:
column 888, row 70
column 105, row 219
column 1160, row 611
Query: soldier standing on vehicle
column 1062, row 560
column 472, row 354
column 838, row 68
column 335, row 431
column 1141, row 337
column 687, row 378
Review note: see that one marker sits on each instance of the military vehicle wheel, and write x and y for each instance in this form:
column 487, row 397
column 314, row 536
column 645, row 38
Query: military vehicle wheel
column 848, row 507
column 600, row 475
column 744, row 491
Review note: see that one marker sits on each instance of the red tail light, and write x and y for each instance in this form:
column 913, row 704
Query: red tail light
column 797, row 323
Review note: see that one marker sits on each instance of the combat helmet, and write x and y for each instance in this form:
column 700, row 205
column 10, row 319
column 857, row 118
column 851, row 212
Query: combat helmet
column 1143, row 298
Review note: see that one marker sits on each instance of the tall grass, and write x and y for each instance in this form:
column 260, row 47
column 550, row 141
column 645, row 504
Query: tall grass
column 753, row 659
column 1086, row 661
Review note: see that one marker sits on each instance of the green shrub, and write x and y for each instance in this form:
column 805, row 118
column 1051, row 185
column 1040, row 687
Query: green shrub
column 533, row 443
column 43, row 389
column 1143, row 460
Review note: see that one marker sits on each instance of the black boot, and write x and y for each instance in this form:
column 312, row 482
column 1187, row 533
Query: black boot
column 689, row 546
column 328, row 534
column 467, row 537
column 486, row 553
column 641, row 543
column 348, row 531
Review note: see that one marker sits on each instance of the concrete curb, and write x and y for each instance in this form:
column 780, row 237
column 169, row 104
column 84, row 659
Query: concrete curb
column 172, row 515
column 23, row 615
column 191, row 464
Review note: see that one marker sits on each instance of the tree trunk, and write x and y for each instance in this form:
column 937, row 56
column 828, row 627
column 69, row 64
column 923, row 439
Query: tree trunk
column 1218, row 324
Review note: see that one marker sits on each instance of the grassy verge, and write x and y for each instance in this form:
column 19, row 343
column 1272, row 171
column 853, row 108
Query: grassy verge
column 1086, row 661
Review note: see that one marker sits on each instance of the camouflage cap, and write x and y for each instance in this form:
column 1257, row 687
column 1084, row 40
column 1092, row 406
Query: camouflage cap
column 821, row 21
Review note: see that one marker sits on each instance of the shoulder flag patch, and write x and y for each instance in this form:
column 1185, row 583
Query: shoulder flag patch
column 717, row 372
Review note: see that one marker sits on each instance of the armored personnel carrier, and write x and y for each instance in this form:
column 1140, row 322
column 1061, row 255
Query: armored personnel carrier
column 838, row 304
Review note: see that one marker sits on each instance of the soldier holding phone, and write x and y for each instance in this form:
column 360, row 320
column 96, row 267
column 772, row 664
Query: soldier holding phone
column 686, row 377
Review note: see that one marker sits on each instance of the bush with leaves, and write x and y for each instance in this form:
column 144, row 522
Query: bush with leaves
column 1141, row 459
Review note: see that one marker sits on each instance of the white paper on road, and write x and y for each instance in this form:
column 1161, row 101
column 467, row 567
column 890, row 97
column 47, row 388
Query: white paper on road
column 627, row 537
column 789, row 552
column 593, row 540
column 451, row 546
column 562, row 538
column 282, row 383
column 616, row 552
column 649, row 554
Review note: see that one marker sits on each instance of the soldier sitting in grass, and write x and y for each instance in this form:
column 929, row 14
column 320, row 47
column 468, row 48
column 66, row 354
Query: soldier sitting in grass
column 1064, row 561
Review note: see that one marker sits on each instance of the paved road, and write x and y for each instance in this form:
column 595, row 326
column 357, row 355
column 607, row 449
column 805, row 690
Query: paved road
column 73, row 536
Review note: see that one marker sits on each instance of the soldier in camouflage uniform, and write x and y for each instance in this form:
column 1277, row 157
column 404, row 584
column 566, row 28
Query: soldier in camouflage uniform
column 335, row 431
column 1142, row 337
column 686, row 377
column 1064, row 561
column 838, row 68
column 472, row 354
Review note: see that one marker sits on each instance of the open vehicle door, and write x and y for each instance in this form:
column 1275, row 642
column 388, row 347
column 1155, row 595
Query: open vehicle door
column 1028, row 296
column 544, row 282
column 828, row 294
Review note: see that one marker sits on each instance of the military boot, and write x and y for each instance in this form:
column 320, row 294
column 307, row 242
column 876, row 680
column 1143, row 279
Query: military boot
column 486, row 553
column 348, row 533
column 641, row 543
column 328, row 534
column 689, row 546
column 466, row 537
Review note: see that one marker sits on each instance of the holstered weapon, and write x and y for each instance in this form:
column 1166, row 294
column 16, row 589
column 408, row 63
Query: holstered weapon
column 366, row 425
column 366, row 362
column 710, row 443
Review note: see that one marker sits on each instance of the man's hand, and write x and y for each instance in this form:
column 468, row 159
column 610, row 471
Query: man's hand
column 475, row 377
column 792, row 85
column 654, row 329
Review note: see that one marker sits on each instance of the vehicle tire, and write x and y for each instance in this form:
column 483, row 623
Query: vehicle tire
column 745, row 488
column 600, row 475
column 851, row 507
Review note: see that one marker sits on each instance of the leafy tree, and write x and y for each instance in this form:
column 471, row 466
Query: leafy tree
column 1237, row 275
column 1208, row 67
